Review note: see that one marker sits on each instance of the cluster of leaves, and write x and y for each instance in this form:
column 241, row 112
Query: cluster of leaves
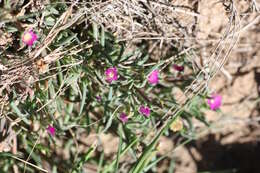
column 74, row 97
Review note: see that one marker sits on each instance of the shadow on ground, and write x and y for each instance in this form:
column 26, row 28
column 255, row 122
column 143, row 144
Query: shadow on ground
column 236, row 157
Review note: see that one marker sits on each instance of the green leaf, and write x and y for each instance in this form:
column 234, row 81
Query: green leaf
column 172, row 166
column 100, row 164
column 5, row 154
column 110, row 95
column 49, row 21
column 95, row 30
column 153, row 163
column 53, row 11
column 11, row 29
column 110, row 120
column 102, row 39
column 143, row 60
column 19, row 113
column 119, row 148
column 84, row 94
column 84, row 159
column 66, row 40
column 109, row 168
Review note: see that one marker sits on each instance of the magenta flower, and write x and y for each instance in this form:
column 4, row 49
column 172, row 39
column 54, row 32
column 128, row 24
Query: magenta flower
column 111, row 74
column 29, row 37
column 178, row 67
column 51, row 130
column 153, row 77
column 98, row 98
column 215, row 102
column 144, row 110
column 123, row 117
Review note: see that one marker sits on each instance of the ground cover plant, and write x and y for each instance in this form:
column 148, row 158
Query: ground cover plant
column 75, row 72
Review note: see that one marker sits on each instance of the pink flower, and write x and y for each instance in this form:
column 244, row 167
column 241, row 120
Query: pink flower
column 215, row 102
column 51, row 130
column 144, row 110
column 111, row 74
column 98, row 98
column 123, row 117
column 153, row 77
column 178, row 67
column 29, row 37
